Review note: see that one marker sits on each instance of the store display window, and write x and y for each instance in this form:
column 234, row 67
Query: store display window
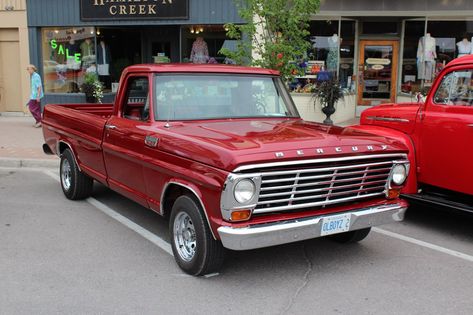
column 68, row 54
column 428, row 48
column 202, row 43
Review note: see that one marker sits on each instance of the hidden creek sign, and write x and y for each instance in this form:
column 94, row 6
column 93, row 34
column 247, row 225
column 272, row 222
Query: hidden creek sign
column 92, row 10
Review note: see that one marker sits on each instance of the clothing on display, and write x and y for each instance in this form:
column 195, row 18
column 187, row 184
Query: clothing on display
column 103, row 59
column 200, row 51
column 426, row 55
column 464, row 47
column 332, row 57
column 87, row 50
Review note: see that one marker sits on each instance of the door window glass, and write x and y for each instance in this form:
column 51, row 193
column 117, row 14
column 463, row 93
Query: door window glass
column 456, row 89
column 136, row 106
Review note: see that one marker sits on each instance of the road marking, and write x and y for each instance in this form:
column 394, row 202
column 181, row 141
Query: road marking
column 153, row 238
column 424, row 244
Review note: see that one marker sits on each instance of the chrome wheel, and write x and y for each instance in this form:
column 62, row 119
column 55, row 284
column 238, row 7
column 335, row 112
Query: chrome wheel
column 184, row 236
column 66, row 174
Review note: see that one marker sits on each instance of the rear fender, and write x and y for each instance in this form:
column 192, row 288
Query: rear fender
column 411, row 185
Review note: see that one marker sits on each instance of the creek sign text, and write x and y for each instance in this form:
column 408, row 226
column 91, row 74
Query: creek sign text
column 91, row 10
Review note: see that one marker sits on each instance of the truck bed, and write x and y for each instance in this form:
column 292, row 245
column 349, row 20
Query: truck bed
column 76, row 123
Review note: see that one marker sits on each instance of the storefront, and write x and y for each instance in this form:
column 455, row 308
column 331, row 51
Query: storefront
column 384, row 51
column 72, row 37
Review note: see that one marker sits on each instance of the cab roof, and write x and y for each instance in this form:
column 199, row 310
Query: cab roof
column 203, row 68
column 468, row 59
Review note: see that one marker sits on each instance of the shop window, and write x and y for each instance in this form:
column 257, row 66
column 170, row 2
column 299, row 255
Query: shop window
column 347, row 55
column 332, row 53
column 426, row 53
column 68, row 53
column 201, row 44
column 413, row 31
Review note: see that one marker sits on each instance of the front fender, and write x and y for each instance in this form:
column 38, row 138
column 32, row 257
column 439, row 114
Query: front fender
column 411, row 185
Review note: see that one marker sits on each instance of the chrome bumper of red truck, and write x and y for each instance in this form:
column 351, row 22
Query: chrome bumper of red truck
column 265, row 235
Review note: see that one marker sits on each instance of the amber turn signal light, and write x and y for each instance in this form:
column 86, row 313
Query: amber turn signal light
column 241, row 215
column 393, row 193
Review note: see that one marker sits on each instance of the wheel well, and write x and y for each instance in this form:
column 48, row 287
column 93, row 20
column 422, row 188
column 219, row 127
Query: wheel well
column 62, row 147
column 174, row 191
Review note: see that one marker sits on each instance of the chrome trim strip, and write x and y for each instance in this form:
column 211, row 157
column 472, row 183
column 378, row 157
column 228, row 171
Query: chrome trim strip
column 323, row 160
column 390, row 119
column 72, row 151
column 319, row 203
column 283, row 232
column 195, row 194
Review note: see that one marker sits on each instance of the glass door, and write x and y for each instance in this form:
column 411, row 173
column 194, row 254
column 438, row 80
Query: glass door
column 377, row 71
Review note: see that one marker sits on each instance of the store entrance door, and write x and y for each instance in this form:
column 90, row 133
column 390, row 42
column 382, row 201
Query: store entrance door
column 377, row 71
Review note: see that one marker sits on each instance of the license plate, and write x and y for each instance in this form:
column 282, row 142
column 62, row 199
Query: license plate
column 335, row 224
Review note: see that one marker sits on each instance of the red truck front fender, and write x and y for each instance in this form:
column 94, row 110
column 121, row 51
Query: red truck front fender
column 411, row 185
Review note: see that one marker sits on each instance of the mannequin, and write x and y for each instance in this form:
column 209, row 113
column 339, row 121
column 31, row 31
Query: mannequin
column 426, row 55
column 87, row 50
column 103, row 62
column 332, row 57
column 200, row 51
column 72, row 49
column 464, row 47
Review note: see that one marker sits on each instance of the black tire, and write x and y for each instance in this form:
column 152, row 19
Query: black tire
column 351, row 237
column 195, row 250
column 75, row 184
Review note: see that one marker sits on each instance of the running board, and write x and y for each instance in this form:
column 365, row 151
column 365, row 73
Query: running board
column 439, row 202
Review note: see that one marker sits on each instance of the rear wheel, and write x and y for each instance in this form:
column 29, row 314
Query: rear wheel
column 195, row 250
column 75, row 184
column 351, row 237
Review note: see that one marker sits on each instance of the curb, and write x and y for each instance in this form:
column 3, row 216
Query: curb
column 29, row 163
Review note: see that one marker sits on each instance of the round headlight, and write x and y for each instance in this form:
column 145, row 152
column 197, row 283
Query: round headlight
column 244, row 190
column 399, row 174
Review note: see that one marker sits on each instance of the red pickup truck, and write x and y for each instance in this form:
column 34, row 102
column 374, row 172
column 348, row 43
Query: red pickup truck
column 222, row 152
column 439, row 135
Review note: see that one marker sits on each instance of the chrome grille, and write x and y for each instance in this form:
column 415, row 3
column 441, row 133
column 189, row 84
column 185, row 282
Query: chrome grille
column 322, row 183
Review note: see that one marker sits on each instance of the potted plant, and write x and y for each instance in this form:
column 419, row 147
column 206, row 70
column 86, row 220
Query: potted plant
column 92, row 88
column 328, row 92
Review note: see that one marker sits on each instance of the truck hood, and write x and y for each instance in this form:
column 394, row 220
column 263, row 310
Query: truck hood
column 401, row 117
column 227, row 144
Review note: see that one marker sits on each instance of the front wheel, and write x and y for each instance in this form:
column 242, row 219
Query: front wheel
column 195, row 250
column 75, row 184
column 352, row 236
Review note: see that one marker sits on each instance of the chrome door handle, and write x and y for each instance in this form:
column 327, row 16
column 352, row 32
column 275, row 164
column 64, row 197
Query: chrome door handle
column 470, row 125
column 110, row 127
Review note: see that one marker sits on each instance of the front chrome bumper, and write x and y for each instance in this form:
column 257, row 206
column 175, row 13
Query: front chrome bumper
column 265, row 235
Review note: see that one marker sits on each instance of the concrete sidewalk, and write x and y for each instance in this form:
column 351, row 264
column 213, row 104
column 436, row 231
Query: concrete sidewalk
column 21, row 143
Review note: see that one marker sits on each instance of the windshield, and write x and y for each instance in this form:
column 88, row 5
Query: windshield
column 213, row 96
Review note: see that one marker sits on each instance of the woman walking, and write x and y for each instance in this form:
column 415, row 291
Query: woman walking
column 34, row 104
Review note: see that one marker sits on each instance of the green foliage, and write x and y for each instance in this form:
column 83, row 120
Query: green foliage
column 275, row 30
column 328, row 92
column 92, row 86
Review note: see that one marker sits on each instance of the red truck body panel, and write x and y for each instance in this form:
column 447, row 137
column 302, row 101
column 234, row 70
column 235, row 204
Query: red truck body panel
column 441, row 135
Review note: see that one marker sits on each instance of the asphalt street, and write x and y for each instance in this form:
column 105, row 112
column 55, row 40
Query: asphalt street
column 108, row 255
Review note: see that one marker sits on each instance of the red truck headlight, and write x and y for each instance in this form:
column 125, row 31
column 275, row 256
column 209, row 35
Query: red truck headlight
column 399, row 174
column 397, row 178
column 244, row 190
column 240, row 196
